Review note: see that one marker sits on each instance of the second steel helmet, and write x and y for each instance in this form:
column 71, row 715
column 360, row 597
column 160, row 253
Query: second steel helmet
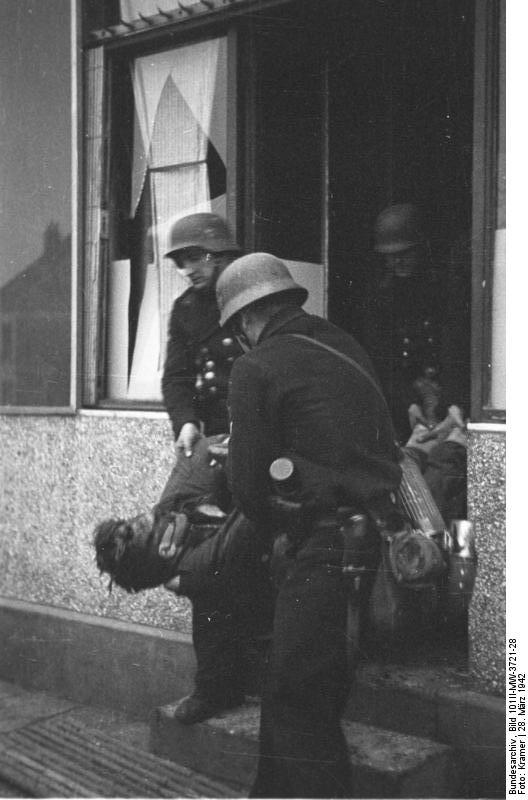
column 398, row 228
column 205, row 230
column 251, row 278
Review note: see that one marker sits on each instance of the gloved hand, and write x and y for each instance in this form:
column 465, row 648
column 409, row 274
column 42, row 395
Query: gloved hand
column 187, row 438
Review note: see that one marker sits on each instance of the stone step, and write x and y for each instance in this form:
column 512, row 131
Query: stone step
column 438, row 703
column 385, row 763
column 425, row 690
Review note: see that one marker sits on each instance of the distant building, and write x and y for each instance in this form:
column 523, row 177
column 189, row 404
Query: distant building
column 35, row 313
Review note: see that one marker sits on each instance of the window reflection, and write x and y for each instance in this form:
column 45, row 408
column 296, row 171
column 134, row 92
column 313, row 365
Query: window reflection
column 35, row 218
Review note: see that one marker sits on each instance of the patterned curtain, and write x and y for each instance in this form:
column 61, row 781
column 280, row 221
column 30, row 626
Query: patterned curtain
column 181, row 101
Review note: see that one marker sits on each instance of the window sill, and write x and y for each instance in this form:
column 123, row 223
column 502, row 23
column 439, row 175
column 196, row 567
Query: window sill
column 142, row 413
column 38, row 411
column 487, row 427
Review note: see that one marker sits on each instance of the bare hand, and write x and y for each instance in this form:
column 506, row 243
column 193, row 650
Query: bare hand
column 440, row 432
column 416, row 416
column 187, row 438
column 173, row 585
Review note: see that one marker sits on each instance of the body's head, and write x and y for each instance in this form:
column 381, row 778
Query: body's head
column 201, row 246
column 399, row 237
column 252, row 290
column 123, row 550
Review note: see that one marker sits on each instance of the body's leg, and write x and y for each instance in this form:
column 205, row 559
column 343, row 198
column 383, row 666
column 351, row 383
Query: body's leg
column 194, row 479
column 231, row 608
column 230, row 613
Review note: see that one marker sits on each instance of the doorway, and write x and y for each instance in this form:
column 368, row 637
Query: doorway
column 400, row 89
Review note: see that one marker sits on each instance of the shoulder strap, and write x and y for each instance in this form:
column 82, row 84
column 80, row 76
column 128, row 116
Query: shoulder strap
column 348, row 359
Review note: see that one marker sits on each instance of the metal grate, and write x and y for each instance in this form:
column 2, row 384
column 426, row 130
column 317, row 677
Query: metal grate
column 62, row 758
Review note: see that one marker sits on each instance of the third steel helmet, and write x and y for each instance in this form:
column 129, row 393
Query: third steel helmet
column 251, row 278
column 208, row 231
column 398, row 228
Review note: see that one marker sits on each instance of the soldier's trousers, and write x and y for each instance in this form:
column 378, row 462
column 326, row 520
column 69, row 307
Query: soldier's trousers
column 228, row 627
column 303, row 752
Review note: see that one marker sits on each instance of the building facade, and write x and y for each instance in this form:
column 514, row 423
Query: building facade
column 299, row 120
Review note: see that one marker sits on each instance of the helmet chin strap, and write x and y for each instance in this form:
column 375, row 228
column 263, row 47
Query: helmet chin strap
column 239, row 333
column 216, row 260
column 243, row 342
column 219, row 265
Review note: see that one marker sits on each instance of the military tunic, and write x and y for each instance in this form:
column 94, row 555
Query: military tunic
column 416, row 328
column 289, row 395
column 417, row 334
column 198, row 363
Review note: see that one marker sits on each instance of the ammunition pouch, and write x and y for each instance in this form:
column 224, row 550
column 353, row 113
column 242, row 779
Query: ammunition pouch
column 293, row 522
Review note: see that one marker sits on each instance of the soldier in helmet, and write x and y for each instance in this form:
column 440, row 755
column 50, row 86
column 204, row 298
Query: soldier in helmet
column 418, row 339
column 292, row 394
column 194, row 384
column 199, row 355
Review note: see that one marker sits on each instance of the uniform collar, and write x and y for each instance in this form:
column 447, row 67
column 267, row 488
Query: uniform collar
column 280, row 320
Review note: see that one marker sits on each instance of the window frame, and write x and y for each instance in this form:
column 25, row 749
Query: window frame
column 75, row 139
column 487, row 210
column 98, row 66
column 233, row 22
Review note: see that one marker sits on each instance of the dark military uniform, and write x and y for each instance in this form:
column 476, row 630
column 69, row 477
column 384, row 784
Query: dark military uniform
column 416, row 331
column 291, row 396
column 195, row 381
column 402, row 334
column 198, row 363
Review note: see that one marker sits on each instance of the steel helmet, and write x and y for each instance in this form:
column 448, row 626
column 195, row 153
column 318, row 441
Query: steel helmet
column 251, row 278
column 398, row 228
column 208, row 231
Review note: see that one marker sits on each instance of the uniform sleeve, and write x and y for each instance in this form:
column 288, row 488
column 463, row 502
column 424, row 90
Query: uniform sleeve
column 178, row 379
column 251, row 444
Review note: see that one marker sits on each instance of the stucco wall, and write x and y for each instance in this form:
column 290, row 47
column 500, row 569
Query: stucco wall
column 61, row 475
column 487, row 510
